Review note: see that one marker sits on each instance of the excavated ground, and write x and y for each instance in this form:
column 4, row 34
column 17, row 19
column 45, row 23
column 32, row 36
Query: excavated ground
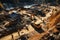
column 40, row 22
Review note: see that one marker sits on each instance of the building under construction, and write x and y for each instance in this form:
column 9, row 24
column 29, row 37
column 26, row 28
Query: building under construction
column 29, row 19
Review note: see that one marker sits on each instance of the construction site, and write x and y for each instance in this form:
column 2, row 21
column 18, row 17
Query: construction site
column 29, row 19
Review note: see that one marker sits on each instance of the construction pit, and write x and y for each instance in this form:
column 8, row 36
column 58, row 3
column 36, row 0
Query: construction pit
column 41, row 22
